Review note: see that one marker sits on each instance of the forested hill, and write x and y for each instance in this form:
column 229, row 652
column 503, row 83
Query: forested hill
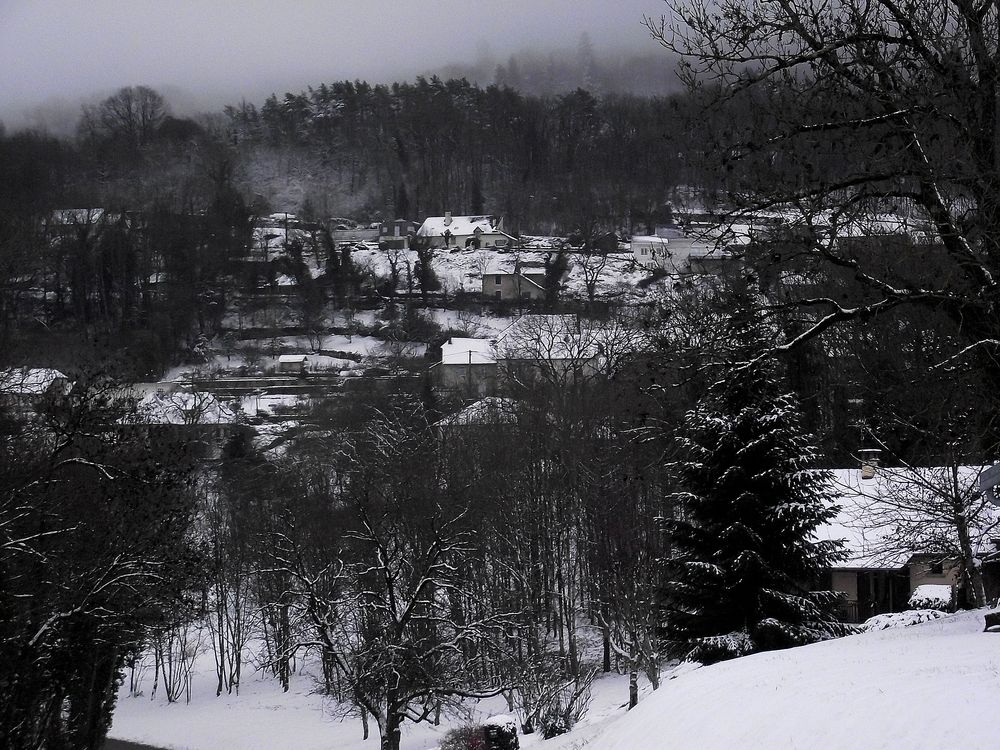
column 575, row 160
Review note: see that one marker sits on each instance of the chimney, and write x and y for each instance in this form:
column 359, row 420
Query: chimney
column 869, row 462
column 447, row 218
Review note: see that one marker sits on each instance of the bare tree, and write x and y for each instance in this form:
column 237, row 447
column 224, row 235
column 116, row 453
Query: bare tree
column 939, row 510
column 392, row 609
column 860, row 110
column 130, row 116
column 592, row 264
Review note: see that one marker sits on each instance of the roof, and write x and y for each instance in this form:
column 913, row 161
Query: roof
column 490, row 410
column 548, row 337
column 886, row 520
column 32, row 381
column 508, row 266
column 182, row 407
column 295, row 358
column 435, row 226
column 463, row 351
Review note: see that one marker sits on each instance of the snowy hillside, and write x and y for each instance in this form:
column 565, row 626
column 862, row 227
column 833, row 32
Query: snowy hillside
column 929, row 686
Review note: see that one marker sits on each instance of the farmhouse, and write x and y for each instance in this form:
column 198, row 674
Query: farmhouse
column 486, row 415
column 464, row 231
column 514, row 282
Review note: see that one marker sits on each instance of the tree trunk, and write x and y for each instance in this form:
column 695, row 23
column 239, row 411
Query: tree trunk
column 972, row 570
column 391, row 734
column 633, row 687
column 606, row 638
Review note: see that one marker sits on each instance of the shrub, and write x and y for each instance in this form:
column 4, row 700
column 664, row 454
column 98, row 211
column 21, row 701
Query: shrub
column 933, row 596
column 469, row 737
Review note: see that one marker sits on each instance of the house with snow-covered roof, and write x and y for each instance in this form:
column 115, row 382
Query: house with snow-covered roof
column 556, row 348
column 23, row 388
column 677, row 252
column 897, row 536
column 464, row 231
column 509, row 281
column 468, row 365
column 489, row 413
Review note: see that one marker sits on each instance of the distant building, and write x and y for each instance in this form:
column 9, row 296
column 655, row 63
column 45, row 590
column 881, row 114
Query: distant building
column 293, row 364
column 23, row 388
column 464, row 231
column 396, row 234
column 487, row 415
column 675, row 253
column 198, row 418
column 514, row 282
column 467, row 365
column 553, row 348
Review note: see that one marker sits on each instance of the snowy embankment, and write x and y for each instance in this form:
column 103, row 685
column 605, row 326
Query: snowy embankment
column 930, row 686
column 926, row 687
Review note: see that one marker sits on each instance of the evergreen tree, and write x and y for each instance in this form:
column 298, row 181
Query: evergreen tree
column 742, row 547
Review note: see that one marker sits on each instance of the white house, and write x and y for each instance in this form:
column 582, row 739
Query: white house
column 467, row 364
column 673, row 251
column 464, row 231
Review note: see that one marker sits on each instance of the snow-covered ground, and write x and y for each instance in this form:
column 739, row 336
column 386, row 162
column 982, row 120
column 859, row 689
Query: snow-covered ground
column 926, row 687
column 461, row 270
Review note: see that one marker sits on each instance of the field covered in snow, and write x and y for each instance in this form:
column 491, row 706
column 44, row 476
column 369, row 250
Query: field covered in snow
column 930, row 686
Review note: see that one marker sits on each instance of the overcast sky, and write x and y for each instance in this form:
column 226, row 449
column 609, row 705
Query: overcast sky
column 222, row 50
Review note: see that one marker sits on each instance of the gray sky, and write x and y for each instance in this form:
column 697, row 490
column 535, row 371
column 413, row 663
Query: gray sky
column 222, row 50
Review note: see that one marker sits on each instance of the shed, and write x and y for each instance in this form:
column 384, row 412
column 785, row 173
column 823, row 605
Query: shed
column 292, row 363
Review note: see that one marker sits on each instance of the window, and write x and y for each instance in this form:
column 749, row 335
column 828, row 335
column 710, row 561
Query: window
column 936, row 568
column 497, row 294
column 497, row 279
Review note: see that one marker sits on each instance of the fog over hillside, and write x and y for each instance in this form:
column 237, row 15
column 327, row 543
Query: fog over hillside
column 57, row 55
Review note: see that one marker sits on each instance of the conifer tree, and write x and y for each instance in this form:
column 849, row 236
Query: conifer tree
column 743, row 552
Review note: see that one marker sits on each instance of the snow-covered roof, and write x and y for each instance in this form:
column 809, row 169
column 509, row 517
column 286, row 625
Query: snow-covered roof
column 435, row 226
column 181, row 407
column 548, row 337
column 32, row 381
column 463, row 351
column 507, row 266
column 490, row 410
column 291, row 359
column 886, row 520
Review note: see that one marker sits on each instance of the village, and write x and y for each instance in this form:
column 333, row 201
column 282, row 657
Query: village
column 504, row 310
column 499, row 377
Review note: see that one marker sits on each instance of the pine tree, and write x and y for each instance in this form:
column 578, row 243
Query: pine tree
column 742, row 547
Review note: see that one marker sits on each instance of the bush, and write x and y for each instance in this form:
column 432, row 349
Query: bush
column 933, row 596
column 469, row 737
column 901, row 619
column 655, row 275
